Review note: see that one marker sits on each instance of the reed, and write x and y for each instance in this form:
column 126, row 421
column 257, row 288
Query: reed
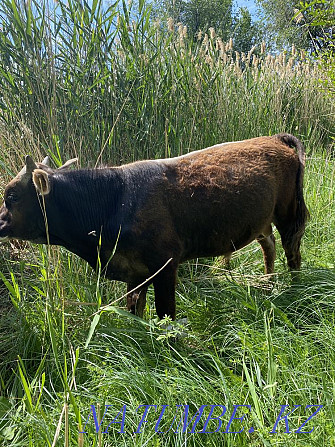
column 77, row 77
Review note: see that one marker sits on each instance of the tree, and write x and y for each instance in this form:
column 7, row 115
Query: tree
column 246, row 33
column 203, row 14
column 321, row 14
column 285, row 25
column 200, row 15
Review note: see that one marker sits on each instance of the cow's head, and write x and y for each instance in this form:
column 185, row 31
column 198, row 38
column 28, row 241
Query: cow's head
column 21, row 215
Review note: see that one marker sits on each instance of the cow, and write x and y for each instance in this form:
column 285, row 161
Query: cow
column 141, row 220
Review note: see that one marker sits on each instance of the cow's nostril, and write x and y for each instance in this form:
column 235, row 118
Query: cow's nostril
column 3, row 227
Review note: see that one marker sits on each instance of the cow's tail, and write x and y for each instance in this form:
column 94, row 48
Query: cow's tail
column 302, row 213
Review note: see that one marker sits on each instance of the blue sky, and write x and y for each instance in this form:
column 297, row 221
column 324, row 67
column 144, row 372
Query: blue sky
column 250, row 4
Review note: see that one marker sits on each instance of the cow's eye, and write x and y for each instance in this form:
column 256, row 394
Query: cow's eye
column 12, row 197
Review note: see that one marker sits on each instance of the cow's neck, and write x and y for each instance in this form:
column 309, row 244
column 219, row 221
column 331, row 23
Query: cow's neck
column 83, row 210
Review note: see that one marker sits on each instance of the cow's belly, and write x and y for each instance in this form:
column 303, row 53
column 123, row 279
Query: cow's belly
column 127, row 268
column 216, row 244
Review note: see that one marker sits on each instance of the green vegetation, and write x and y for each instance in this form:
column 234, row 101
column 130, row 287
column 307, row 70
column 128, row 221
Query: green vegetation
column 218, row 14
column 321, row 15
column 292, row 22
column 110, row 86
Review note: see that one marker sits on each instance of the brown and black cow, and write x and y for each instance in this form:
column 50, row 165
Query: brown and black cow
column 207, row 203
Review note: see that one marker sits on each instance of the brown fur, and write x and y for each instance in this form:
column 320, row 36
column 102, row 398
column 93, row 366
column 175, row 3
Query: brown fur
column 216, row 201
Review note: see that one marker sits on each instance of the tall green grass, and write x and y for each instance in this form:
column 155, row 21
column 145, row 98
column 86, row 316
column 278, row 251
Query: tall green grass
column 109, row 85
column 87, row 80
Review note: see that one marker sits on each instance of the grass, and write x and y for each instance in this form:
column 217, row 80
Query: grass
column 110, row 86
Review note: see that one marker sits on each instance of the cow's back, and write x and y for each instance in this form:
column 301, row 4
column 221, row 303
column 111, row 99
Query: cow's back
column 217, row 200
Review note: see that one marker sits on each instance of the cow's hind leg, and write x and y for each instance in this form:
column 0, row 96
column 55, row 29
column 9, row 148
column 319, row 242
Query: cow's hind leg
column 291, row 240
column 291, row 231
column 267, row 242
column 136, row 299
column 290, row 220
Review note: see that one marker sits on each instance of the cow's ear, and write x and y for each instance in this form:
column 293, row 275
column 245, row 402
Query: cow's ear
column 41, row 181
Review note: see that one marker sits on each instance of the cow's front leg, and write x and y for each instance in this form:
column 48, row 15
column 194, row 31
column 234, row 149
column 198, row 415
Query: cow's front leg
column 136, row 299
column 165, row 285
